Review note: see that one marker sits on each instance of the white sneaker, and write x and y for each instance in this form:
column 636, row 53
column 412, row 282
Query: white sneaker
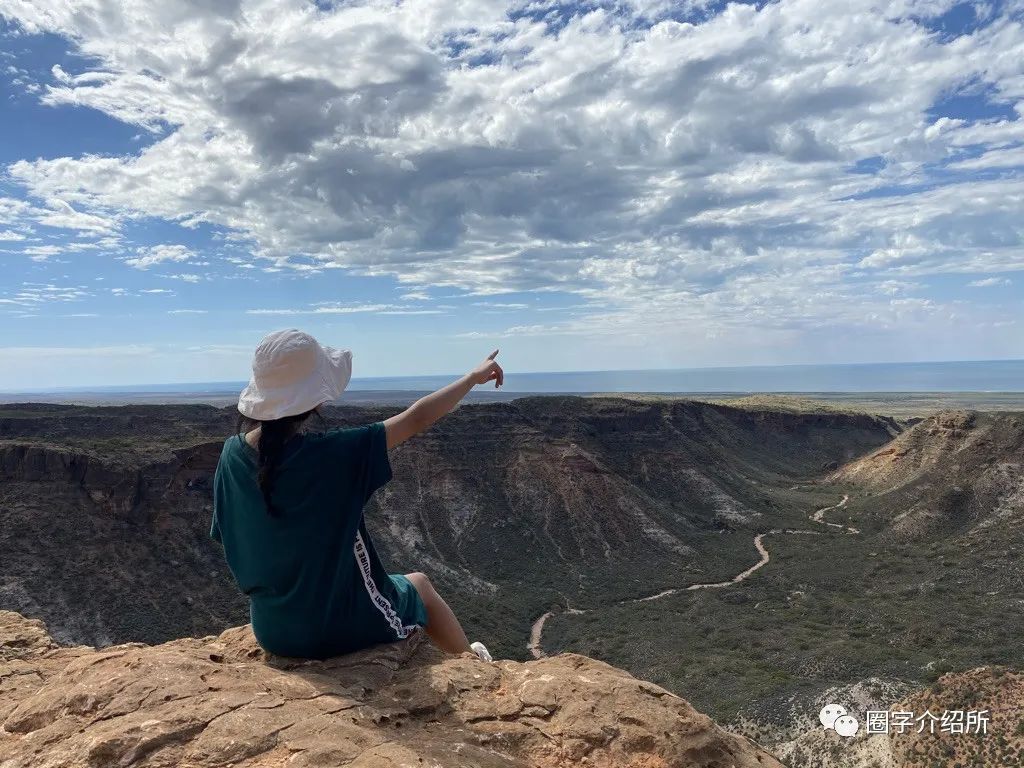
column 481, row 651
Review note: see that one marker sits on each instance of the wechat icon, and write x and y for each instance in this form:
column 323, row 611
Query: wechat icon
column 835, row 716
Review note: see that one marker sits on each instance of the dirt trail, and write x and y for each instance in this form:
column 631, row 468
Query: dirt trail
column 819, row 515
column 537, row 628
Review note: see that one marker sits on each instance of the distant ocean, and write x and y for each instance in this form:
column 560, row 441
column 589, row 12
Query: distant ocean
column 961, row 376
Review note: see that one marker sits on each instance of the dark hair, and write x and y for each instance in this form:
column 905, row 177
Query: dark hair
column 274, row 434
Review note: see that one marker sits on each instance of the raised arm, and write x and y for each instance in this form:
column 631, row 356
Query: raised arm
column 428, row 409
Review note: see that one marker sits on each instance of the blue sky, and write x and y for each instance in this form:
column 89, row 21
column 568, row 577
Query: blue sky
column 586, row 186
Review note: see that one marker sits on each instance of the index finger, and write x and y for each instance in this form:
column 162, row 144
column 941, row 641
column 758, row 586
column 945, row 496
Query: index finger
column 492, row 355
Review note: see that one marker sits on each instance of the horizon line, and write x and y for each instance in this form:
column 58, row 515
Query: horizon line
column 141, row 387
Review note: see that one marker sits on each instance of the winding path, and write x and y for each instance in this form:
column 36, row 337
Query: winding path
column 819, row 516
column 537, row 628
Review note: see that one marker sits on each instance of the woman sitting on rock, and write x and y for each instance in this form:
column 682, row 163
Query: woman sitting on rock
column 288, row 509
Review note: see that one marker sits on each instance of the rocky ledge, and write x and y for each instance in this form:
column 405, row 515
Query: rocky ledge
column 221, row 701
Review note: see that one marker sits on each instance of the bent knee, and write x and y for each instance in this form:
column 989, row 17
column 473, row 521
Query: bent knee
column 421, row 582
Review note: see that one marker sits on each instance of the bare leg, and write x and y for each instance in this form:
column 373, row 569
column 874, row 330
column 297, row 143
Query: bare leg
column 442, row 626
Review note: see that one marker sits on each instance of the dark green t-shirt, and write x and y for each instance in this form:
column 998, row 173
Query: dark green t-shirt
column 316, row 585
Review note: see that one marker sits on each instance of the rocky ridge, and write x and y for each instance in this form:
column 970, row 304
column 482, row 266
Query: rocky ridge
column 222, row 701
column 955, row 472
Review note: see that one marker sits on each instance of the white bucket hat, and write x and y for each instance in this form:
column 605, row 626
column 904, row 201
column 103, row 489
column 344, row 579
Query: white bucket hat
column 293, row 373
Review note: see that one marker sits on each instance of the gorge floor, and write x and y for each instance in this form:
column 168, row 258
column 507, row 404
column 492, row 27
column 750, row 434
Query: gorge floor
column 534, row 644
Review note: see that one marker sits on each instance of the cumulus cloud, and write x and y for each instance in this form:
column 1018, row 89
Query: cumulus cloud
column 788, row 164
column 158, row 254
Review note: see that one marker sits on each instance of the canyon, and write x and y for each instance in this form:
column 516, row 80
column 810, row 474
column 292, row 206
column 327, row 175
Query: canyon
column 623, row 522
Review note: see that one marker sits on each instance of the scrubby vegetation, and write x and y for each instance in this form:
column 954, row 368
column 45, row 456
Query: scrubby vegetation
column 570, row 504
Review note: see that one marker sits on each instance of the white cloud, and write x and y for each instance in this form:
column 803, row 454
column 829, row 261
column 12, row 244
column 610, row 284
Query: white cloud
column 187, row 311
column 56, row 214
column 62, row 215
column 1001, row 157
column 38, row 294
column 667, row 173
column 500, row 305
column 338, row 309
column 896, row 287
column 41, row 252
column 159, row 254
column 989, row 282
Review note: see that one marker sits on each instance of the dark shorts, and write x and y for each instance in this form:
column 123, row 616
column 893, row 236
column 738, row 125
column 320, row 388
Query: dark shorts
column 410, row 606
column 363, row 629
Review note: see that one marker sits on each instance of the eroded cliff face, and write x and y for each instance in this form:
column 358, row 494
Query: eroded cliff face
column 511, row 507
column 109, row 549
column 221, row 701
column 956, row 472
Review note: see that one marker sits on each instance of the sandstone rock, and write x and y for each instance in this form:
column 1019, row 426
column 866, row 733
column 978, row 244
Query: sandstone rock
column 222, row 701
column 996, row 691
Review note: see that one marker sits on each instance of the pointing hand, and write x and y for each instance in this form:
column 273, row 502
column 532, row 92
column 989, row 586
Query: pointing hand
column 488, row 370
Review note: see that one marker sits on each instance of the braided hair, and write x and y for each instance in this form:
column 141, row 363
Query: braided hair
column 274, row 434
